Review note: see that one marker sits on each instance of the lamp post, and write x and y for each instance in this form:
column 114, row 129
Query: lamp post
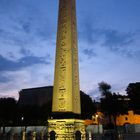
column 97, row 117
column 23, row 133
column 22, row 119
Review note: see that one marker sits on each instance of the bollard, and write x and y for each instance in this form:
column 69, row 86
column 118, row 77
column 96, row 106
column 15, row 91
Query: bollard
column 42, row 135
column 12, row 136
column 90, row 135
column 120, row 136
column 23, row 135
column 33, row 135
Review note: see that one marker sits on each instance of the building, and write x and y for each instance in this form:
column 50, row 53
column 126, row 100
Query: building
column 130, row 118
column 35, row 96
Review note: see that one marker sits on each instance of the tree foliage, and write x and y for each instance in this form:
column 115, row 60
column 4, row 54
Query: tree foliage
column 12, row 113
column 104, row 88
column 112, row 104
column 133, row 92
column 88, row 107
column 8, row 107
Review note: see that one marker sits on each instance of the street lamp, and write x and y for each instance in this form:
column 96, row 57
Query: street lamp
column 97, row 117
column 22, row 118
column 23, row 133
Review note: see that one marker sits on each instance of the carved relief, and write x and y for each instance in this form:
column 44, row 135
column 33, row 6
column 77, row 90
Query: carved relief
column 62, row 93
column 61, row 103
column 75, row 60
column 61, row 43
column 66, row 128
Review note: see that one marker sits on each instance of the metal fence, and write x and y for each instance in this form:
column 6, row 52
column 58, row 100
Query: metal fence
column 29, row 136
column 40, row 133
column 94, row 137
column 115, row 136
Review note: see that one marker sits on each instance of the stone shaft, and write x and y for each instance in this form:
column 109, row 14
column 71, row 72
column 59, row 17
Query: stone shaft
column 66, row 95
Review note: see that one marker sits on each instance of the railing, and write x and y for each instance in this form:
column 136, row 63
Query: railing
column 24, row 136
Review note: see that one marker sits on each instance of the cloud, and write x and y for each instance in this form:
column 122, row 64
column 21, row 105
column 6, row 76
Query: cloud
column 95, row 94
column 33, row 76
column 89, row 31
column 24, row 22
column 28, row 35
column 89, row 53
column 114, row 39
column 25, row 52
column 26, row 27
column 110, row 37
column 3, row 78
column 115, row 88
column 9, row 65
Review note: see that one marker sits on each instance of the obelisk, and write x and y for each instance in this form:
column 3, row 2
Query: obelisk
column 66, row 94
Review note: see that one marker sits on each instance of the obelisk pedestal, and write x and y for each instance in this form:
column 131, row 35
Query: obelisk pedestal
column 66, row 95
column 66, row 129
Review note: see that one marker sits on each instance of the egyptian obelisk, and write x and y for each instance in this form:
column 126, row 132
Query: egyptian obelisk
column 66, row 94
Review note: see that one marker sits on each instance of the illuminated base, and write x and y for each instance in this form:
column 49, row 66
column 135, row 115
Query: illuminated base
column 66, row 129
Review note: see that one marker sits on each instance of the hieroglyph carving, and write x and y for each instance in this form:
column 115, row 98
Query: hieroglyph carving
column 65, row 129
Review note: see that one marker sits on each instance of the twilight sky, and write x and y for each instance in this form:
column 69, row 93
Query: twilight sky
column 108, row 42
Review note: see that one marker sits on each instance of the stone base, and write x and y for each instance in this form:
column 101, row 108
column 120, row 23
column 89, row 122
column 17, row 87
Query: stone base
column 66, row 129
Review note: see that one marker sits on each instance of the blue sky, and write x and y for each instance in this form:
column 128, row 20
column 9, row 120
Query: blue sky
column 108, row 42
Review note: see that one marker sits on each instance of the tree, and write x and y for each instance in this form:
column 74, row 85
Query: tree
column 133, row 92
column 13, row 113
column 106, row 97
column 118, row 106
column 112, row 104
column 33, row 114
column 88, row 107
column 104, row 88
column 8, row 108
